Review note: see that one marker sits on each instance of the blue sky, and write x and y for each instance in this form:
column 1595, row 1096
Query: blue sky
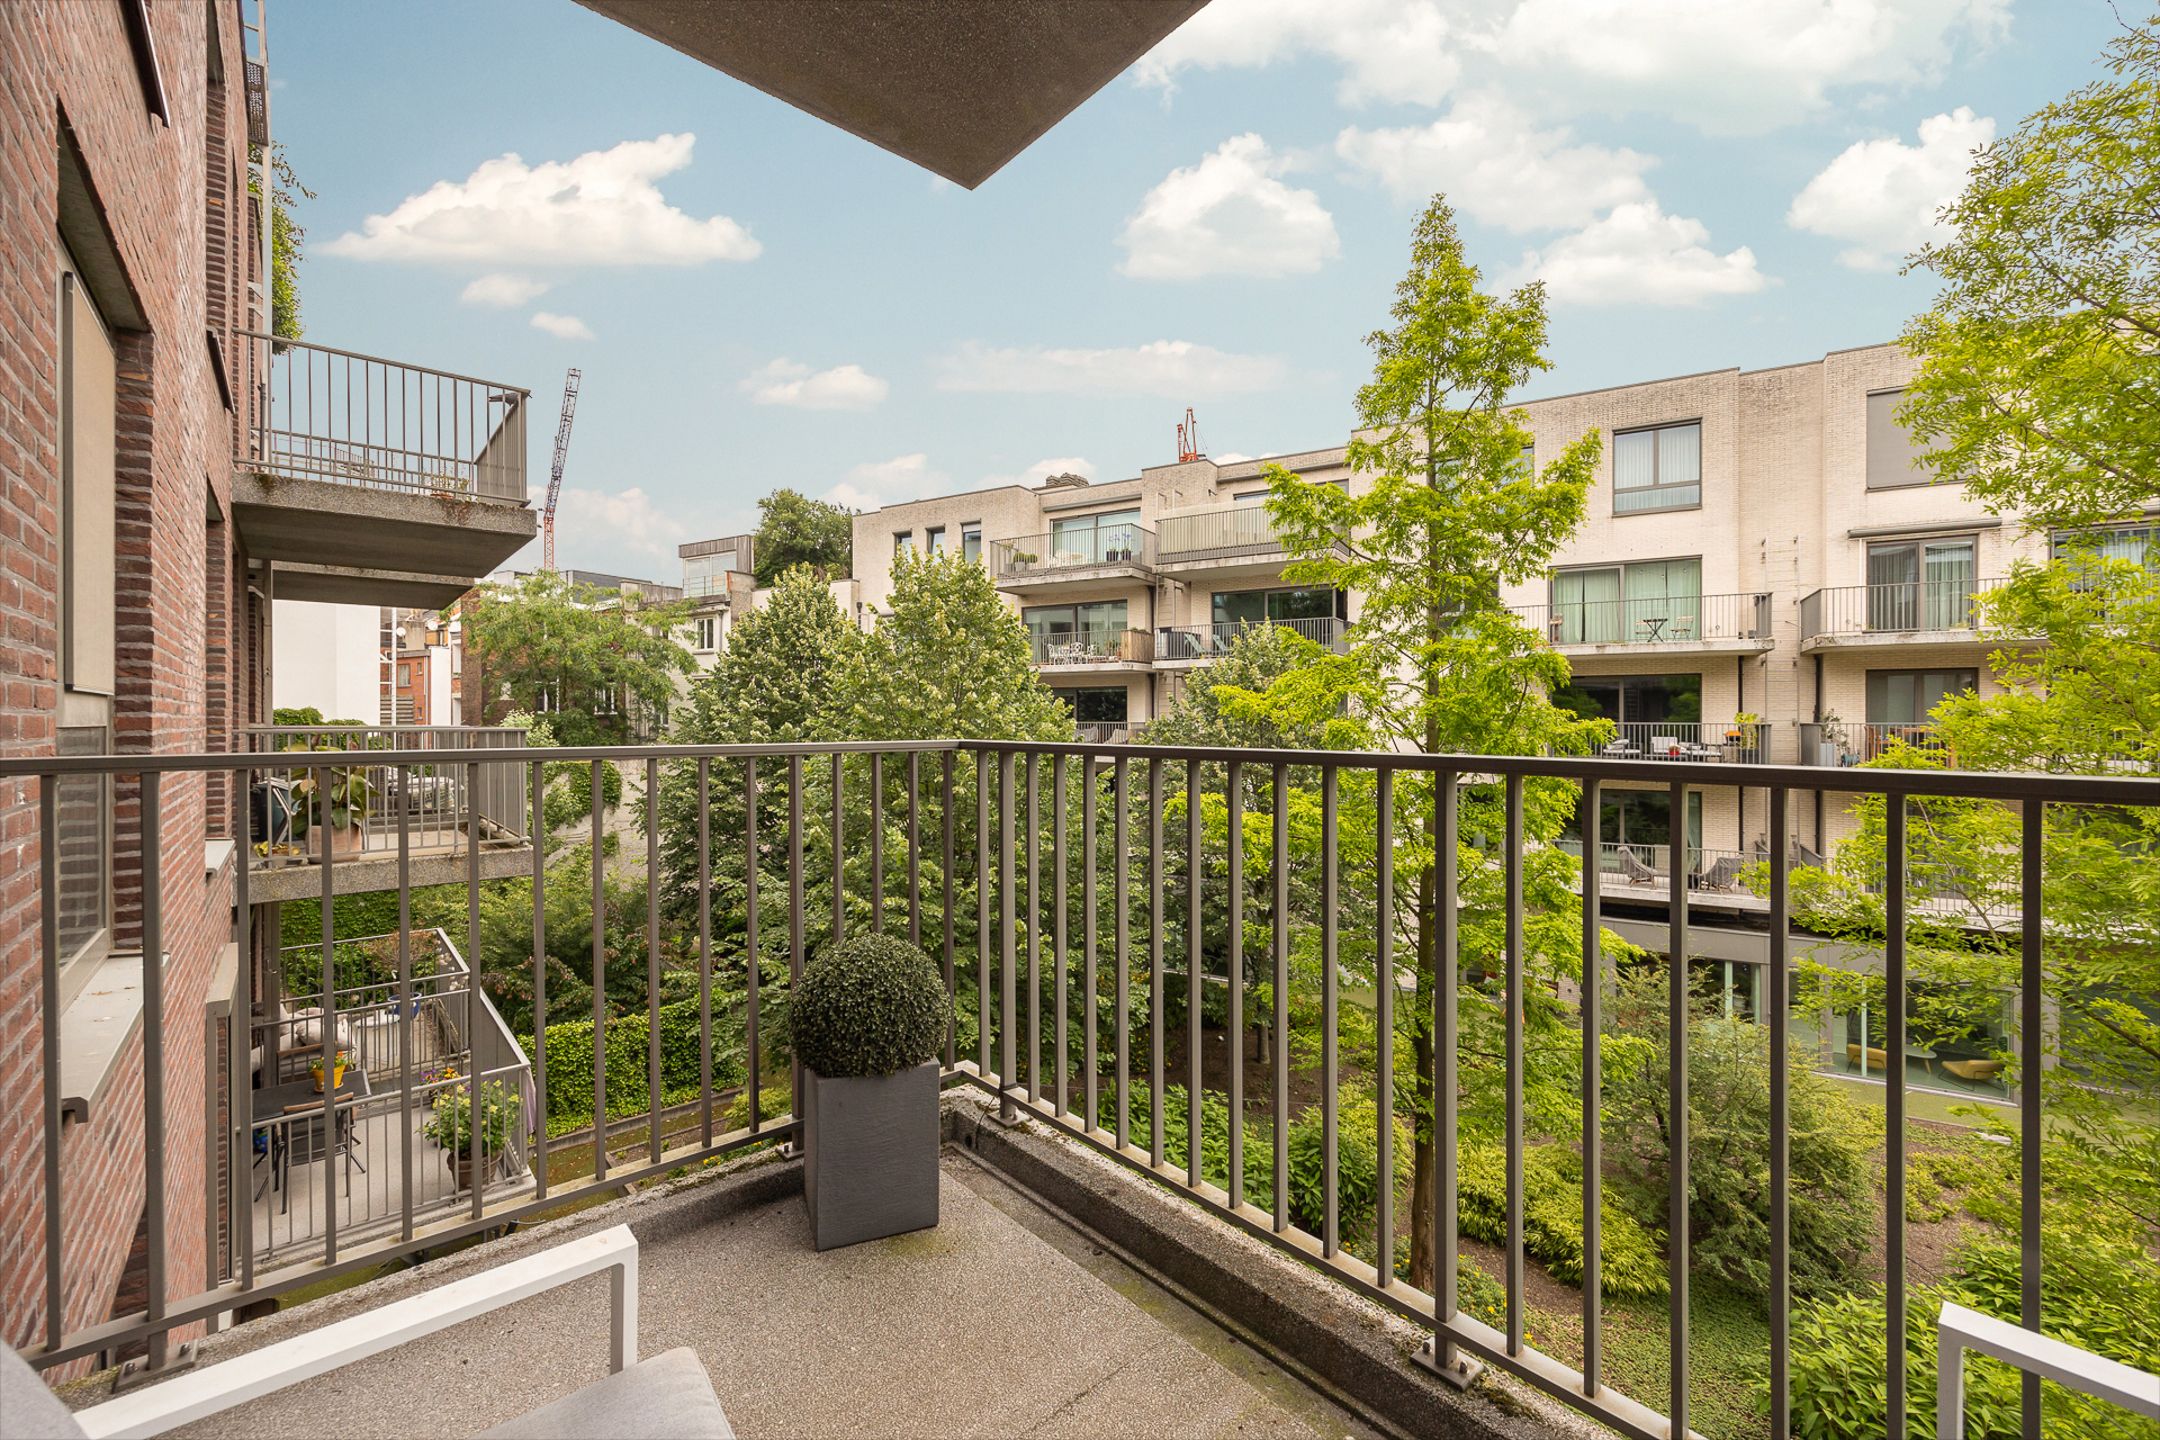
column 773, row 302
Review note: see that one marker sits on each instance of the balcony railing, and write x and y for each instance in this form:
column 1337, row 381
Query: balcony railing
column 1741, row 742
column 1225, row 531
column 411, row 1026
column 1083, row 922
column 1672, row 620
column 1053, row 648
column 1184, row 643
column 1643, row 864
column 398, row 788
column 335, row 415
column 1920, row 607
column 1037, row 556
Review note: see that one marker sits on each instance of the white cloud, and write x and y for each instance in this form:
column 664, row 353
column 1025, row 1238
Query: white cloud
column 627, row 521
column 877, row 483
column 1736, row 68
column 1230, row 457
column 1639, row 255
column 1042, row 470
column 1883, row 195
column 562, row 327
column 1160, row 367
column 503, row 292
column 1496, row 168
column 1228, row 215
column 1389, row 50
column 844, row 387
column 603, row 208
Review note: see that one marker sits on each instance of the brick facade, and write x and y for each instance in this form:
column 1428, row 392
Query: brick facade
column 167, row 193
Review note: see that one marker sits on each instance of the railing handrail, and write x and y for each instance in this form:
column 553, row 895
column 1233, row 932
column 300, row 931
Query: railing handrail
column 282, row 344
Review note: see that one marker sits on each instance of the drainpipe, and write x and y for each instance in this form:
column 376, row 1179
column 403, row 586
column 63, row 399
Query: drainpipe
column 1818, row 720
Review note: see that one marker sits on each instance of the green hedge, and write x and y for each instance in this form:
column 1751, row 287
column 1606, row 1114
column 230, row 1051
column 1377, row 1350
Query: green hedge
column 570, row 1064
column 1631, row 1263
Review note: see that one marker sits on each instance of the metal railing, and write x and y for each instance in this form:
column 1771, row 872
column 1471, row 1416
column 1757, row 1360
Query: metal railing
column 1079, row 902
column 1742, row 742
column 316, row 413
column 1914, row 607
column 1854, row 742
column 1637, row 863
column 1225, row 531
column 1040, row 555
column 402, row 1054
column 1186, row 643
column 1674, row 620
column 1053, row 648
column 435, row 809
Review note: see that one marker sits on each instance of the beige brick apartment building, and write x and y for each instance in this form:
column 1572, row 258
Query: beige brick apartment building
column 1762, row 574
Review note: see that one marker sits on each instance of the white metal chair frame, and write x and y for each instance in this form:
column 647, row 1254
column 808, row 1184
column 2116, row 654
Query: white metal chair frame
column 1959, row 1329
column 215, row 1388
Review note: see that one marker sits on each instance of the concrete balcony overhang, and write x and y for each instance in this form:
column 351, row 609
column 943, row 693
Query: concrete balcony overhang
column 290, row 520
column 342, row 585
column 371, row 874
column 1896, row 639
column 1716, row 645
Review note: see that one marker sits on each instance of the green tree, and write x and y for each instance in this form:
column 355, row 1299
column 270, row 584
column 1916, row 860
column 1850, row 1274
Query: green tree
column 594, row 661
column 2039, row 379
column 795, row 530
column 1441, row 513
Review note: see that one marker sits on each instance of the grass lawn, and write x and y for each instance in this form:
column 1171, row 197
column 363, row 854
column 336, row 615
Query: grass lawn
column 1728, row 1351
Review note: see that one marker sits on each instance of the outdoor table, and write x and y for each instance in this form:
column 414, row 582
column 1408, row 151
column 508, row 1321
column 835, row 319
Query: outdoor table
column 298, row 1102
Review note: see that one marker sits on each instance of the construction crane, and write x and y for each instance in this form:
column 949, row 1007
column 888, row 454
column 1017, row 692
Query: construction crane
column 1188, row 439
column 562, row 451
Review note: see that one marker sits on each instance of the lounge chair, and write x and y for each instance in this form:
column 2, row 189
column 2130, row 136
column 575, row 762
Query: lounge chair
column 661, row 1398
column 1723, row 874
column 1634, row 870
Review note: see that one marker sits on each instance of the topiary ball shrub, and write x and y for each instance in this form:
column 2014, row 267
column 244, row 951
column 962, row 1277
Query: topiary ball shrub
column 870, row 1005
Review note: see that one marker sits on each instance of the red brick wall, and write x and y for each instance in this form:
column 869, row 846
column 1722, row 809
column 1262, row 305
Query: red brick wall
column 60, row 58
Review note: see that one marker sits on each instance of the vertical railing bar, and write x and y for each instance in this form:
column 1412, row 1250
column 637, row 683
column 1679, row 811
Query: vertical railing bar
column 983, row 934
column 1195, row 982
column 1057, row 932
column 952, row 891
column 839, row 853
column 1008, row 958
column 329, row 1009
column 1384, row 1021
column 1234, row 866
column 914, row 848
column 1447, row 927
column 1512, row 1024
column 1593, row 1090
column 1034, row 929
column 796, row 938
column 1330, row 1137
column 2032, row 1008
column 49, row 1025
column 405, row 1006
column 753, row 1061
column 1089, row 1085
column 652, row 958
column 1676, row 1109
column 242, row 1114
column 877, row 842
column 1780, row 1007
column 1279, row 1020
column 704, row 943
column 1157, row 1105
column 1121, row 886
column 1894, row 1107
column 599, row 979
column 540, row 969
column 473, row 1010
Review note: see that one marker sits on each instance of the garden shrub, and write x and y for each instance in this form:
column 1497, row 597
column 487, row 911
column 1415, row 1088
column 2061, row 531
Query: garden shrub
column 1357, row 1161
column 774, row 1101
column 1632, row 1261
column 869, row 1005
column 570, row 1064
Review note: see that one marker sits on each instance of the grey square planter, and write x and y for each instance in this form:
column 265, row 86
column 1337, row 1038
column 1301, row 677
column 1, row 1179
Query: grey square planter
column 870, row 1155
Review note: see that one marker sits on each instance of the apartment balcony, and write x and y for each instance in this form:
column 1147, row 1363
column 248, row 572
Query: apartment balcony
column 1643, row 870
column 1185, row 647
column 1700, row 624
column 1098, row 978
column 1844, row 743
column 392, row 794
column 1091, row 651
column 1894, row 616
column 416, row 1034
column 366, row 481
column 1048, row 563
column 1734, row 742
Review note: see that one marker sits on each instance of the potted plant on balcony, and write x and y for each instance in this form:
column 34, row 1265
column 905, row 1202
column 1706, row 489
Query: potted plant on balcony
column 452, row 1128
column 1745, row 732
column 869, row 1016
column 339, row 1065
column 349, row 794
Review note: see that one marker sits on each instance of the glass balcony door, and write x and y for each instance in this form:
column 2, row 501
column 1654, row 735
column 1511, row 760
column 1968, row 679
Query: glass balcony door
column 1921, row 585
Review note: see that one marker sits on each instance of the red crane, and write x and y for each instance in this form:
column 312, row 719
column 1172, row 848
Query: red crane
column 1188, row 439
column 562, row 451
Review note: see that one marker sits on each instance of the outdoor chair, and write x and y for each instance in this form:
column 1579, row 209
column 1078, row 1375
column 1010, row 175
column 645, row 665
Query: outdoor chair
column 1634, row 870
column 1723, row 874
column 663, row 1398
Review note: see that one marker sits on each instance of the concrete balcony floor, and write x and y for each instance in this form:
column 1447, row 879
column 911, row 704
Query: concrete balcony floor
column 1002, row 1321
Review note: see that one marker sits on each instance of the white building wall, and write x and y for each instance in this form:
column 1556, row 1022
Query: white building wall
column 328, row 656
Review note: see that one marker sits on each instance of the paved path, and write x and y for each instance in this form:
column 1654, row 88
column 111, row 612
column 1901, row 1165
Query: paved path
column 997, row 1323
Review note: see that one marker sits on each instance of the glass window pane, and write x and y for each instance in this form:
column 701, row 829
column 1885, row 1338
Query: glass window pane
column 1634, row 459
column 1679, row 455
column 1240, row 606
